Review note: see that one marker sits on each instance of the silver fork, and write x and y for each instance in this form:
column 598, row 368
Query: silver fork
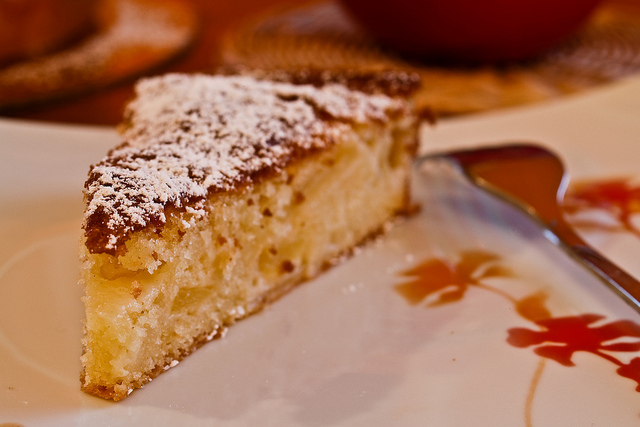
column 533, row 179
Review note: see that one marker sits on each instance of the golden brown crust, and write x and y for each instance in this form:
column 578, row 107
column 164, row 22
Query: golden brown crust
column 388, row 81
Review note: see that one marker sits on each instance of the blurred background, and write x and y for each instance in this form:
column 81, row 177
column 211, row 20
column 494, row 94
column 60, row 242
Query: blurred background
column 75, row 61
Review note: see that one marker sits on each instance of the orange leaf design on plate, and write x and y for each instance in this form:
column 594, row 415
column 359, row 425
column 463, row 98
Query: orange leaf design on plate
column 533, row 307
column 449, row 281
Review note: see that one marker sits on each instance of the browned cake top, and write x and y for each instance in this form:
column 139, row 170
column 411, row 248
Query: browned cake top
column 187, row 136
column 388, row 81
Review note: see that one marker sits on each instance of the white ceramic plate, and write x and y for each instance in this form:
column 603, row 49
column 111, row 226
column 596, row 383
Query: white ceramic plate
column 348, row 349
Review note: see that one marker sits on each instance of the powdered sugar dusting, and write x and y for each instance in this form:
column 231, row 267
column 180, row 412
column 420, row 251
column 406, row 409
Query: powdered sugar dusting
column 189, row 136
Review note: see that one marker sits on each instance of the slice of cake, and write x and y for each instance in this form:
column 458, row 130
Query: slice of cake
column 224, row 194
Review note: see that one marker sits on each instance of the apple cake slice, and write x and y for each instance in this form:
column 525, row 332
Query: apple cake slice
column 225, row 193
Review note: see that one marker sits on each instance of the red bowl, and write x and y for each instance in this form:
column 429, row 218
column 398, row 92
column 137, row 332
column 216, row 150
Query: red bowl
column 471, row 30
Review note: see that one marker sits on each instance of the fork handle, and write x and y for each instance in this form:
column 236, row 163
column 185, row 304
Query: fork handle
column 625, row 285
column 621, row 282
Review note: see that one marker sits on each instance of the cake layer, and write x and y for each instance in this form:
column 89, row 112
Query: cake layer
column 188, row 136
column 172, row 283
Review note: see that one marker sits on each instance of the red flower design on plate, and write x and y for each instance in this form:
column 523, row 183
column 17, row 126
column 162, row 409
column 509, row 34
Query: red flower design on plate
column 631, row 370
column 617, row 196
column 566, row 335
column 558, row 337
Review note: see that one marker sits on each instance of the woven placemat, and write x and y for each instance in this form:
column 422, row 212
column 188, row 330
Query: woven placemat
column 132, row 37
column 322, row 36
